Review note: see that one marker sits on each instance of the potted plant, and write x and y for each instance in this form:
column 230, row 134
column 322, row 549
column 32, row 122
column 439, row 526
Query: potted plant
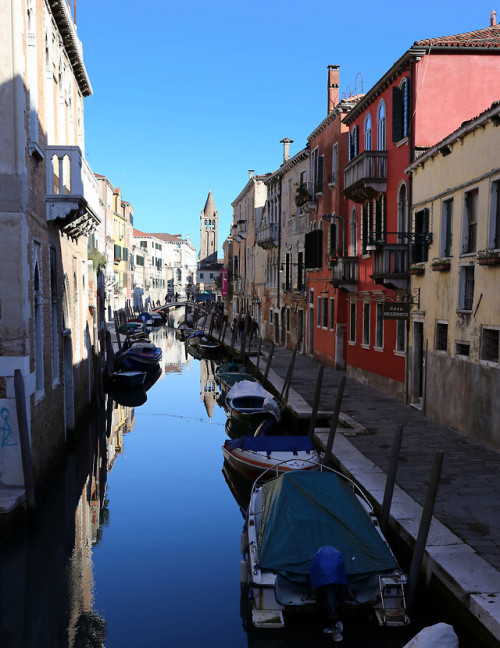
column 441, row 265
column 488, row 257
column 302, row 195
column 416, row 270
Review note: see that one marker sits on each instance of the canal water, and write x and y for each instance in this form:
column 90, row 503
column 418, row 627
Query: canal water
column 136, row 542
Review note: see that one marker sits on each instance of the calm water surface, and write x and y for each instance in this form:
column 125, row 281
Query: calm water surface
column 137, row 543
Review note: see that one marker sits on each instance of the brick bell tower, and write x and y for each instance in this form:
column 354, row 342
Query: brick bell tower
column 209, row 224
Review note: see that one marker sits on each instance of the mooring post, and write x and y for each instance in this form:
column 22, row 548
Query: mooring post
column 288, row 378
column 24, row 438
column 223, row 336
column 256, row 372
column 110, row 354
column 268, row 363
column 333, row 424
column 423, row 530
column 233, row 336
column 391, row 479
column 117, row 327
column 317, row 394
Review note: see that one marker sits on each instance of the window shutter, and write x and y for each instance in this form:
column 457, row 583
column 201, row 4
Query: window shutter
column 308, row 259
column 397, row 114
column 321, row 166
column 319, row 248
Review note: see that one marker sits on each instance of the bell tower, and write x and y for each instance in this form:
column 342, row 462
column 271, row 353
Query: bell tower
column 209, row 223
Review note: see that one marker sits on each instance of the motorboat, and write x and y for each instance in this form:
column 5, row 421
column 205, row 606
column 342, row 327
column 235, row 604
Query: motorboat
column 230, row 373
column 194, row 338
column 250, row 404
column 140, row 357
column 253, row 455
column 311, row 541
column 440, row 634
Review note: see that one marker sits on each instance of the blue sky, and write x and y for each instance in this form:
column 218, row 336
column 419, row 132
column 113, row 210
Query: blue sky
column 190, row 95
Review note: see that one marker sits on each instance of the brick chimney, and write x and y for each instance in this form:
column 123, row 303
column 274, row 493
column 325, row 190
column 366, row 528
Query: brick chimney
column 333, row 87
column 493, row 18
column 286, row 148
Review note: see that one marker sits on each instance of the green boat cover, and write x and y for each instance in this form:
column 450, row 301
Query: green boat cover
column 303, row 511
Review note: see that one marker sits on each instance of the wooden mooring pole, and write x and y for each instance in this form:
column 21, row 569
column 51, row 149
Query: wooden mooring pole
column 256, row 372
column 423, row 530
column 288, row 378
column 317, row 394
column 24, row 438
column 391, row 479
column 333, row 424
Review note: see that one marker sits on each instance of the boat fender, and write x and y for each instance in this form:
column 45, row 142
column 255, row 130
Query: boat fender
column 243, row 571
column 243, row 543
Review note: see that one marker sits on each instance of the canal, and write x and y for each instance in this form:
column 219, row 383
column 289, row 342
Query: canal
column 136, row 542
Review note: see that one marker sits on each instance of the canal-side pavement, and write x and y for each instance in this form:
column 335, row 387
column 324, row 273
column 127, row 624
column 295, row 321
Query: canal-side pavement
column 463, row 547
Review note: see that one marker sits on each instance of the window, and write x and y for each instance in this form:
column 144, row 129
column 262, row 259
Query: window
column 314, row 249
column 462, row 349
column 353, row 142
column 381, row 127
column 353, row 243
column 380, row 218
column 325, row 312
column 466, row 288
column 379, row 326
column 366, row 225
column 287, row 272
column 117, row 252
column 335, row 164
column 300, row 271
column 332, row 312
column 446, row 228
column 318, row 312
column 352, row 323
column 211, row 275
column 368, row 132
column 400, row 111
column 366, row 323
column 470, row 222
column 400, row 335
column 490, row 345
column 288, row 319
column 494, row 230
column 420, row 250
column 311, row 297
column 201, row 275
column 441, row 336
column 139, row 260
column 402, row 211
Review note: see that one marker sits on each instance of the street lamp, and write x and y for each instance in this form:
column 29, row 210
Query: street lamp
column 419, row 238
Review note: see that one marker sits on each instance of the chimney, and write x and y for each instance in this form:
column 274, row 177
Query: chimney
column 286, row 148
column 333, row 87
column 493, row 18
column 251, row 173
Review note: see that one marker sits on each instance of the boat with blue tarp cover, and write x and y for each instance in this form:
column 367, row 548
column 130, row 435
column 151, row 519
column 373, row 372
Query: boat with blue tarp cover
column 250, row 404
column 252, row 455
column 300, row 518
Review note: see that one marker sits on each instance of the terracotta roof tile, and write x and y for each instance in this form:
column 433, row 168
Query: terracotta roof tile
column 488, row 37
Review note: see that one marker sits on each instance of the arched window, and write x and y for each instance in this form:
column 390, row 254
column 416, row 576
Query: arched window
column 381, row 126
column 368, row 132
column 353, row 236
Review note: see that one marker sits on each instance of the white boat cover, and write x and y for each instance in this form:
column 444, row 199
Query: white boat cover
column 440, row 635
column 246, row 389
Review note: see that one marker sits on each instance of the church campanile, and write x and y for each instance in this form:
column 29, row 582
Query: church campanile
column 209, row 223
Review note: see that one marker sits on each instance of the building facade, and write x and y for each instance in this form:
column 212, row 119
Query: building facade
column 49, row 204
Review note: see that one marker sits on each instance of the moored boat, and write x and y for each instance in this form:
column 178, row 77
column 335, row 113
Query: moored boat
column 253, row 455
column 250, row 404
column 127, row 379
column 140, row 357
column 312, row 542
column 229, row 374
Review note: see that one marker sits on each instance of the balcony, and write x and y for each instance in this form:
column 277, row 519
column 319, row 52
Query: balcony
column 72, row 199
column 241, row 229
column 365, row 176
column 390, row 265
column 267, row 235
column 345, row 274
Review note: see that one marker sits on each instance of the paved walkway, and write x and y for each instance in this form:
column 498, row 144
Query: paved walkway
column 468, row 499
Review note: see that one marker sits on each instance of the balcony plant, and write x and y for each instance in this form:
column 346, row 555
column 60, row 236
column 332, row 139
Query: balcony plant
column 488, row 257
column 416, row 270
column 302, row 195
column 440, row 265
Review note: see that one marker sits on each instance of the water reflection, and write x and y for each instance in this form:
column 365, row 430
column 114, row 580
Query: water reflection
column 137, row 541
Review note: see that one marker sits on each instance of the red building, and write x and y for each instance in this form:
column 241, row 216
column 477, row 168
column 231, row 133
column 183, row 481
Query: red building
column 326, row 239
column 435, row 86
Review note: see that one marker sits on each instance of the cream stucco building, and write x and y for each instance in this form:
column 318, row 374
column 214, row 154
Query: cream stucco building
column 454, row 359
